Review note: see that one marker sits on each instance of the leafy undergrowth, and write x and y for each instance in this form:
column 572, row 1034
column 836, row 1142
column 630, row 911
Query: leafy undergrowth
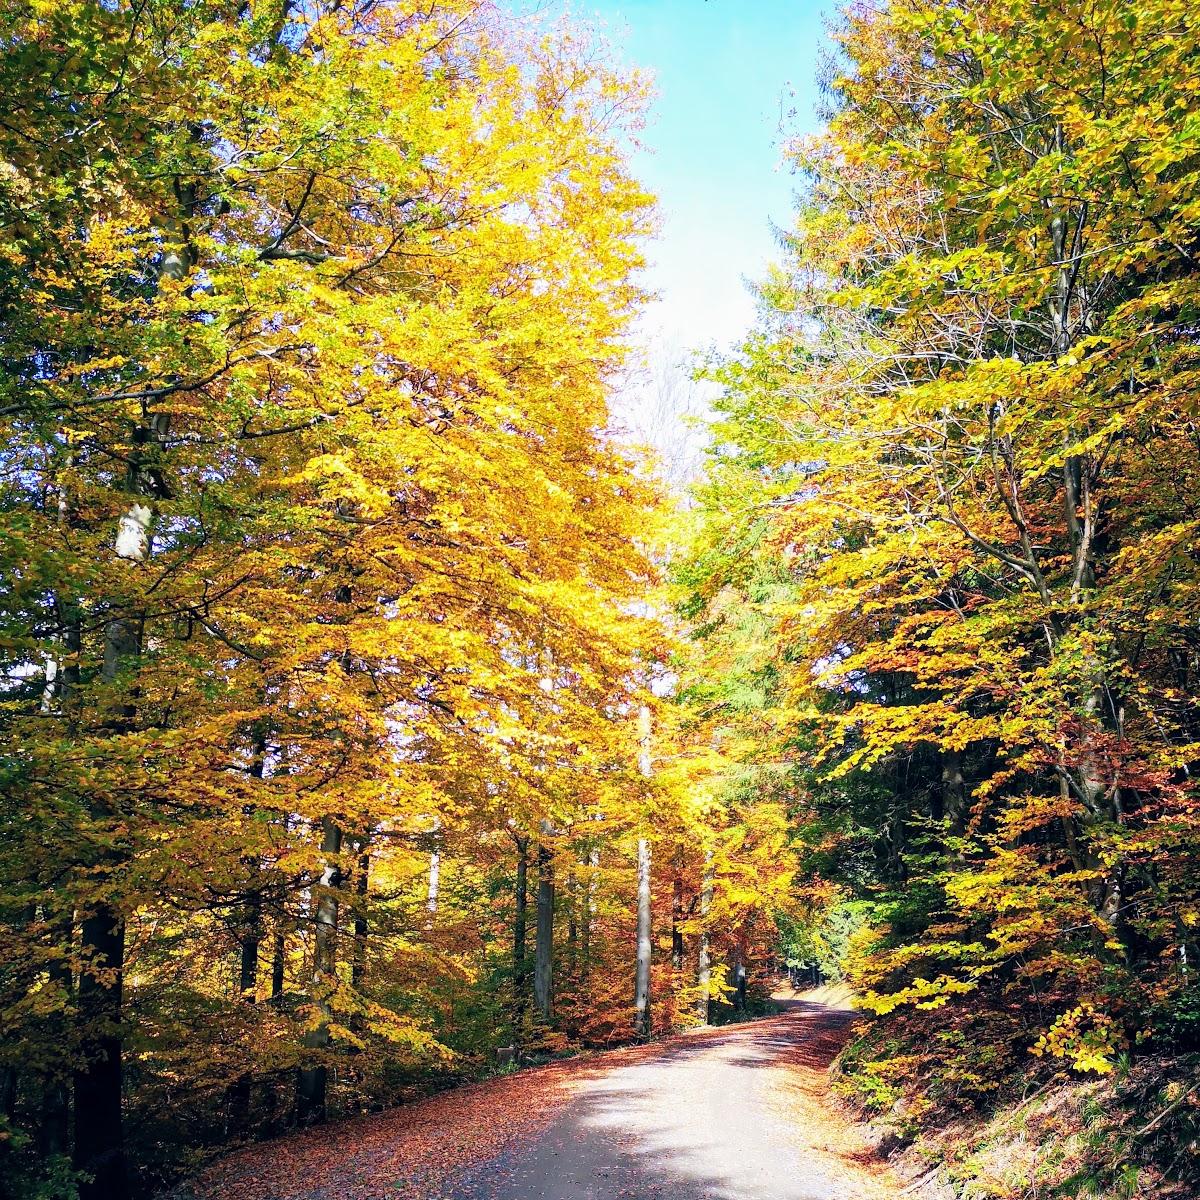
column 1043, row 1136
column 405, row 1153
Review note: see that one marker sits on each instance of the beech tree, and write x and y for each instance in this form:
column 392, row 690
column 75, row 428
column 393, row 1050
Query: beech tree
column 947, row 532
column 315, row 535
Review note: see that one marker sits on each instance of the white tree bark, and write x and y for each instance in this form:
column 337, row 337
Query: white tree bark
column 704, row 963
column 642, row 994
column 644, row 948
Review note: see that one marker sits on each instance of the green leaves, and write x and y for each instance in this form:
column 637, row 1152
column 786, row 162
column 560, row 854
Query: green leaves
column 961, row 448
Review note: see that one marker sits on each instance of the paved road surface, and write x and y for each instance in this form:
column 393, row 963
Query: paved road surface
column 737, row 1114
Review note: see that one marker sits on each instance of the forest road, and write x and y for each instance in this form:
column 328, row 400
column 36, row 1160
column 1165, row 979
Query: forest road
column 737, row 1114
column 741, row 1112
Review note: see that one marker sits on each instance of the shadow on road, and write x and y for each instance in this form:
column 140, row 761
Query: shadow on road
column 702, row 1117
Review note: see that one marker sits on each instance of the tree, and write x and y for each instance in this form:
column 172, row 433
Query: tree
column 309, row 317
column 939, row 502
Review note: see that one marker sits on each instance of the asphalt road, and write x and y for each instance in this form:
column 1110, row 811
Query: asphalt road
column 741, row 1113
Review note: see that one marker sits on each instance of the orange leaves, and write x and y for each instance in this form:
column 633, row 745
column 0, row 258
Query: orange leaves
column 337, row 320
column 945, row 575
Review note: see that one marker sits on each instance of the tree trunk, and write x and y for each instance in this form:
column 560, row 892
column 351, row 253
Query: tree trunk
column 704, row 961
column 893, row 834
column 99, row 1137
column 518, row 973
column 62, row 683
column 954, row 792
column 572, row 921
column 248, row 964
column 54, row 1124
column 252, row 911
column 312, row 1080
column 543, row 958
column 358, row 962
column 10, row 1081
column 642, row 988
column 54, row 1118
column 239, row 1093
column 273, row 1119
column 677, row 919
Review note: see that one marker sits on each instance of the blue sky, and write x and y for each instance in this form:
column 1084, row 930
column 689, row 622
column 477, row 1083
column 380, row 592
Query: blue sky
column 727, row 75
column 725, row 72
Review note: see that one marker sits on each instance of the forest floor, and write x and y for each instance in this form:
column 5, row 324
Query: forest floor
column 740, row 1112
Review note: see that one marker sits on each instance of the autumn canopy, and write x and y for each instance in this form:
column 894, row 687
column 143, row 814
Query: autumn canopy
column 373, row 717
